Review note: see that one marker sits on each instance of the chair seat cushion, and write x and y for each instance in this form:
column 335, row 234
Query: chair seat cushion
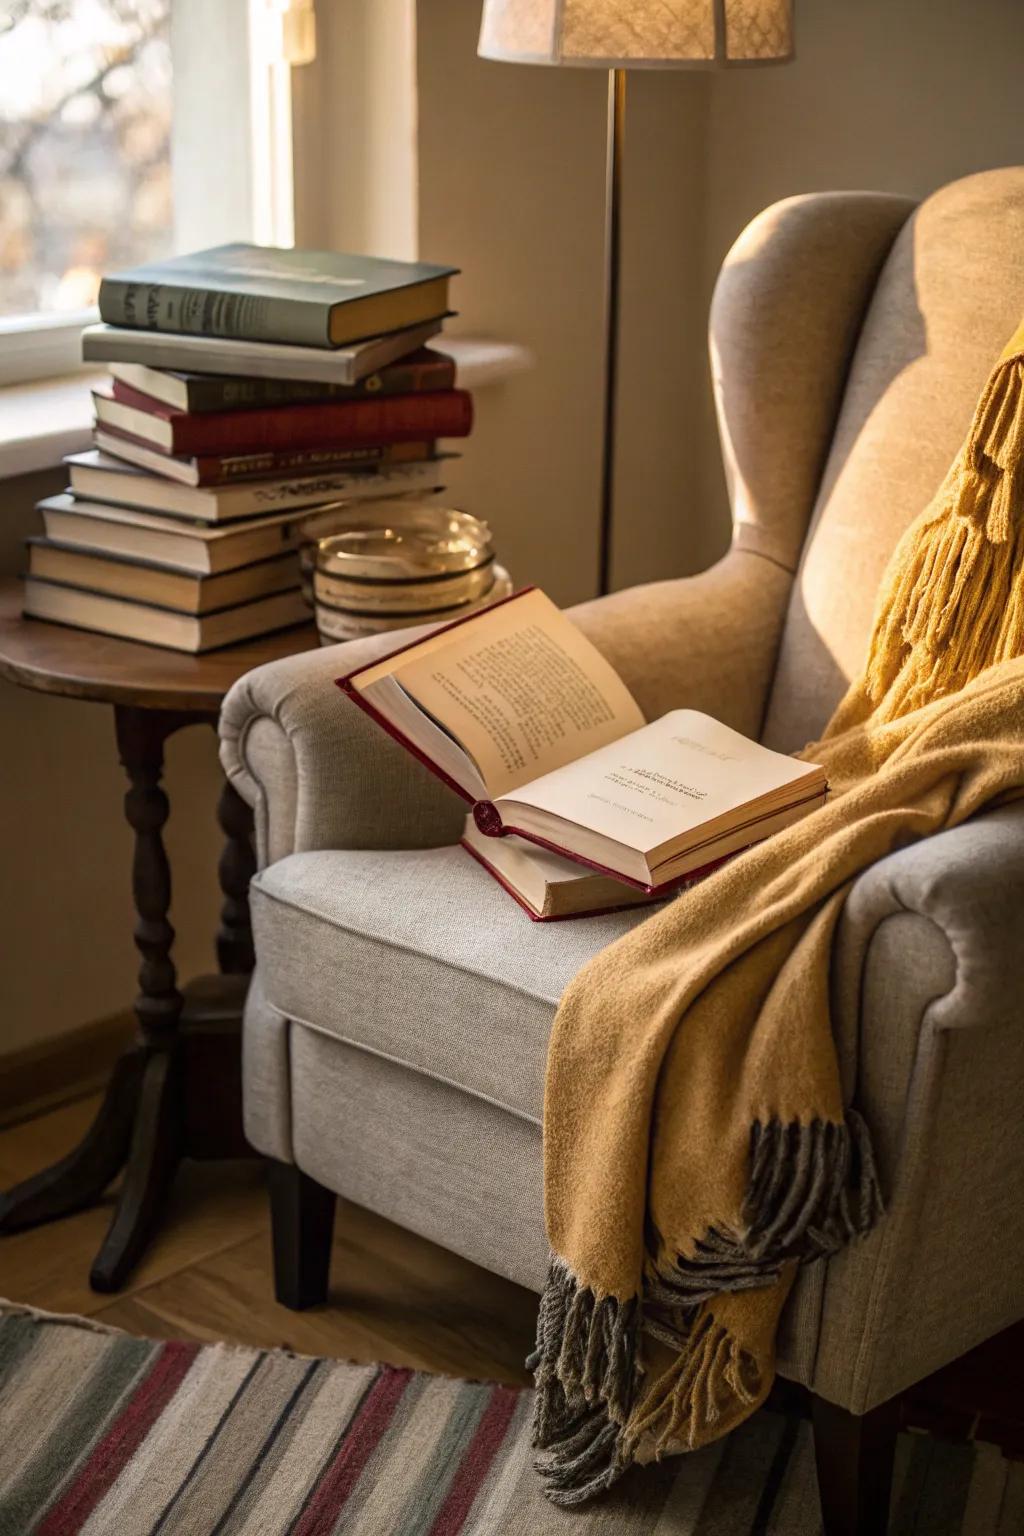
column 421, row 957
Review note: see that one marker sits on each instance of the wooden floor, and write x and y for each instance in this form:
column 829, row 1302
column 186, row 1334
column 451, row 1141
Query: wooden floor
column 394, row 1296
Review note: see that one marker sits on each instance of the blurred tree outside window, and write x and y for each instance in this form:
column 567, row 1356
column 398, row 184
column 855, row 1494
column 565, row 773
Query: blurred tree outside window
column 85, row 120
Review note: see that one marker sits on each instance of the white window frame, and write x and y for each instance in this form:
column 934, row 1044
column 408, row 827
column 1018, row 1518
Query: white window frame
column 231, row 153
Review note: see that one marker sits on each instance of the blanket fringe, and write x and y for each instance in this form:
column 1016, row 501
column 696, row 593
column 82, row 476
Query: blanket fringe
column 953, row 600
column 812, row 1188
column 585, row 1370
column 712, row 1374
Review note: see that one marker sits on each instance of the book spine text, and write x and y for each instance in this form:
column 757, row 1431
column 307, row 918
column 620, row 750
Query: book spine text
column 206, row 312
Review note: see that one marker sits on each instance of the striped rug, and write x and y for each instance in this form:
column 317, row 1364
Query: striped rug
column 109, row 1435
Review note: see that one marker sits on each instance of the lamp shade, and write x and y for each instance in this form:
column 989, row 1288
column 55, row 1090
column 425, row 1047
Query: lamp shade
column 616, row 34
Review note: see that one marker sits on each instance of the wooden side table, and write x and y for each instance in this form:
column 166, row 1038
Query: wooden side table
column 177, row 1092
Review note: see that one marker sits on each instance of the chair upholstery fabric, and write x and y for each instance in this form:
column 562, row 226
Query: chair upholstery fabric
column 396, row 1029
column 421, row 957
column 949, row 296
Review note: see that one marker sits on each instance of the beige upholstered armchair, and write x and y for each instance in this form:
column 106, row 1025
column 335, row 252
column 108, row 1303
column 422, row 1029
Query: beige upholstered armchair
column 398, row 1019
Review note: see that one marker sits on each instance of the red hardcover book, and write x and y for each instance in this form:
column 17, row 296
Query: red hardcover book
column 329, row 423
column 522, row 716
column 225, row 469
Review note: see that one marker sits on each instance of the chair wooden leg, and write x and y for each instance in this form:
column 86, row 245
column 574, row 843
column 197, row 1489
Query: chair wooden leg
column 302, row 1225
column 854, row 1455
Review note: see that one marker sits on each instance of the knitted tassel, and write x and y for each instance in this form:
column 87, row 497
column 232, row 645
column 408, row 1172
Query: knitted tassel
column 586, row 1370
column 952, row 602
column 711, row 1374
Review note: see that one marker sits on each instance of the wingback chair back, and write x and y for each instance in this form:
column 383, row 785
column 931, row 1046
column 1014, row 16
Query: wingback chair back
column 866, row 383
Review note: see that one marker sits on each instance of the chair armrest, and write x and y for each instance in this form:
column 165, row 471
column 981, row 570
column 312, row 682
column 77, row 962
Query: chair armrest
column 966, row 883
column 929, row 1015
column 317, row 771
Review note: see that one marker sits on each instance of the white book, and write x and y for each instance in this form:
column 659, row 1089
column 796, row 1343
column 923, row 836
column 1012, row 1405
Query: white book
column 162, row 626
column 99, row 476
column 204, row 549
column 252, row 359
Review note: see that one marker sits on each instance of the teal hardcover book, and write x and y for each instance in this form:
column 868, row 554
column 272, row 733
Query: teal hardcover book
column 262, row 293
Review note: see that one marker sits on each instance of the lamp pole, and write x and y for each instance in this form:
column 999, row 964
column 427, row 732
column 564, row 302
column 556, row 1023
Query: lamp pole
column 612, row 196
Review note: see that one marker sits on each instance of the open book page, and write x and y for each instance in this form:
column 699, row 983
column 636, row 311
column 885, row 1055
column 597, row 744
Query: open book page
column 521, row 690
column 653, row 787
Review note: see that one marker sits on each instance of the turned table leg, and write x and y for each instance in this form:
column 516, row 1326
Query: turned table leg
column 236, row 868
column 138, row 1126
column 156, row 1144
column 214, row 1005
column 177, row 1091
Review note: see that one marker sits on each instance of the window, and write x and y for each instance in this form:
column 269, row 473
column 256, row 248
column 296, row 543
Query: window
column 85, row 151
column 134, row 128
column 130, row 129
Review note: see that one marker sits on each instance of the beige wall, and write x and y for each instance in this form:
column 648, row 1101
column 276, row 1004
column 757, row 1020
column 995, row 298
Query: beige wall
column 512, row 188
column 66, row 953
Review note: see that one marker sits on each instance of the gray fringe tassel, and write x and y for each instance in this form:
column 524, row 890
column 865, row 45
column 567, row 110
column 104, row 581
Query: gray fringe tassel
column 586, row 1368
column 813, row 1188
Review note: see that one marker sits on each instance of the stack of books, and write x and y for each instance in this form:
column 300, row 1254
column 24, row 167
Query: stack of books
column 258, row 398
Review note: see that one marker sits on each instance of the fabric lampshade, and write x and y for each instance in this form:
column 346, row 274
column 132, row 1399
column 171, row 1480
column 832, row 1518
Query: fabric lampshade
column 614, row 34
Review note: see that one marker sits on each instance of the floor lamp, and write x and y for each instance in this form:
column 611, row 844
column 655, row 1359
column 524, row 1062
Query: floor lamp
column 618, row 35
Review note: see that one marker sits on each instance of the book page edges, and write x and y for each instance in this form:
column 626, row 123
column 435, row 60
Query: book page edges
column 508, row 830
column 546, row 917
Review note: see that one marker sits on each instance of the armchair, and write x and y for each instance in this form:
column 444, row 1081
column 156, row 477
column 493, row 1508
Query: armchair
column 397, row 1024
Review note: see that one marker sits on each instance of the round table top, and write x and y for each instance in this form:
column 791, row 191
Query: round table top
column 53, row 658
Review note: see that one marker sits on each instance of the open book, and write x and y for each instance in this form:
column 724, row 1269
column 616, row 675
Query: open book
column 523, row 717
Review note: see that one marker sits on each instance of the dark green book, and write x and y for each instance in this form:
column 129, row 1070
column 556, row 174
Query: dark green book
column 422, row 372
column 261, row 293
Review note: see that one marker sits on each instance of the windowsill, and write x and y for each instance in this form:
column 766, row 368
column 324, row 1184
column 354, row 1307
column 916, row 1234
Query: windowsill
column 42, row 421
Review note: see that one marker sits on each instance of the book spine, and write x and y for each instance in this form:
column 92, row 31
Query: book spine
column 214, row 392
column 207, row 312
column 415, row 376
column 342, row 424
column 225, row 469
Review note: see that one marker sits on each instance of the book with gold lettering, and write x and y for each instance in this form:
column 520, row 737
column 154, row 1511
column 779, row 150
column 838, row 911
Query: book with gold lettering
column 523, row 717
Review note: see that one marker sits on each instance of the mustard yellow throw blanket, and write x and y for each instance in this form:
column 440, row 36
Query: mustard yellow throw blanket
column 697, row 1148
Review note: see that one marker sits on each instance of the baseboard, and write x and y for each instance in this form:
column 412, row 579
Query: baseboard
column 40, row 1076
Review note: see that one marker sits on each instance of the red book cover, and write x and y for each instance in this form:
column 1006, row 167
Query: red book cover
column 336, row 423
column 225, row 469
